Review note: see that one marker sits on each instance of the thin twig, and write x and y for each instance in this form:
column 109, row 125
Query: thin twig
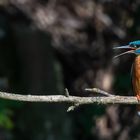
column 67, row 92
column 71, row 108
column 97, row 90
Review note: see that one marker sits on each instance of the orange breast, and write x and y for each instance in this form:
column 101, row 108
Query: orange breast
column 136, row 76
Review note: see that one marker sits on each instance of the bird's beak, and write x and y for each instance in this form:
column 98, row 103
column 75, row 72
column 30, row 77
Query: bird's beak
column 131, row 50
column 123, row 47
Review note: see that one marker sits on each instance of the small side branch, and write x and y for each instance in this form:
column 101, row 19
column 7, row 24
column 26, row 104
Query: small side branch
column 71, row 108
column 97, row 90
column 67, row 92
column 76, row 101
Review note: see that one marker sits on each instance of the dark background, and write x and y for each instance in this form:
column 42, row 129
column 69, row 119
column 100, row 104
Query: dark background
column 47, row 45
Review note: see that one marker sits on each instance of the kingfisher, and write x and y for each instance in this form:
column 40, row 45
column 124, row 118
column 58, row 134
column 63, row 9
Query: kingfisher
column 134, row 48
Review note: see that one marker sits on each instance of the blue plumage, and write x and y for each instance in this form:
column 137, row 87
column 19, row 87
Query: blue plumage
column 135, row 43
column 137, row 51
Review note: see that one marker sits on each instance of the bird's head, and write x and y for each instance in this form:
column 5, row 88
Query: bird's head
column 132, row 47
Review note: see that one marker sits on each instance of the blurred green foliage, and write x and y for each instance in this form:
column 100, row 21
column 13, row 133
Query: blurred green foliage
column 7, row 113
column 5, row 119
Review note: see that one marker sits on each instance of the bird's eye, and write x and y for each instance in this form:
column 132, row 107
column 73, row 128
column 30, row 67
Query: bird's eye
column 134, row 46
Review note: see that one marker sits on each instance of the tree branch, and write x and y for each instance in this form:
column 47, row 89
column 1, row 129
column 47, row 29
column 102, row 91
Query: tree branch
column 70, row 99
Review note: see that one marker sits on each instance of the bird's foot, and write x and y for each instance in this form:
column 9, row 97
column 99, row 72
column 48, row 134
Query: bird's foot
column 138, row 97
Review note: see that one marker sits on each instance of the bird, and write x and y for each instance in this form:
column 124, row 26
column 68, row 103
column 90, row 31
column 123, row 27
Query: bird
column 134, row 48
